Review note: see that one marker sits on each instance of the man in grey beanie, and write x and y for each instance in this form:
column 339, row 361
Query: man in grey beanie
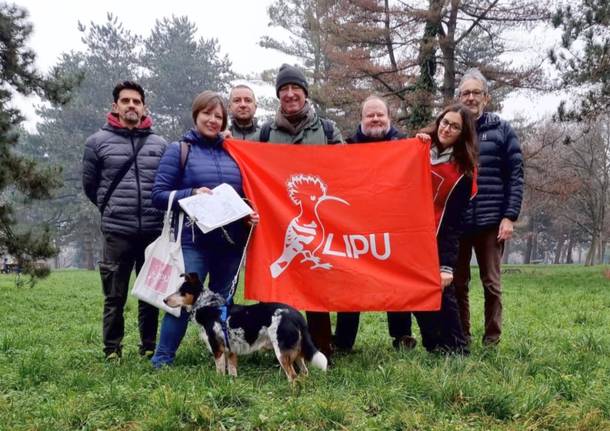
column 296, row 122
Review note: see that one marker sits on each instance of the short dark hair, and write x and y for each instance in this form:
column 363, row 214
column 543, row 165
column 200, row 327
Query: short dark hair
column 209, row 100
column 244, row 86
column 127, row 85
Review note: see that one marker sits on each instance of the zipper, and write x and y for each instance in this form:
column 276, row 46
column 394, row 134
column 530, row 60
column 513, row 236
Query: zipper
column 137, row 174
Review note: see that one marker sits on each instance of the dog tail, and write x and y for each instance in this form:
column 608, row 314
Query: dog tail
column 311, row 354
column 319, row 361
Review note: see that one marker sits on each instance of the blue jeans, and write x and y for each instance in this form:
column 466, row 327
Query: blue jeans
column 220, row 264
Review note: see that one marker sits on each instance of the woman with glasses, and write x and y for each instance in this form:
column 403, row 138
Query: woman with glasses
column 453, row 157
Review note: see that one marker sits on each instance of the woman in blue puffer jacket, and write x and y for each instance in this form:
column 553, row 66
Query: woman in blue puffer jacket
column 217, row 254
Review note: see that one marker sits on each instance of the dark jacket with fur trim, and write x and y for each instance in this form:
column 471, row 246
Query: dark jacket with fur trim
column 500, row 174
column 129, row 210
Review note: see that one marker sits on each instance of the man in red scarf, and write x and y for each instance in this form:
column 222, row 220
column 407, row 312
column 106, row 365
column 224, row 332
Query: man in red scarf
column 119, row 168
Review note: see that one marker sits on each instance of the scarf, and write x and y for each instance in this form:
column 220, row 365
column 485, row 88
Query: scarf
column 113, row 120
column 438, row 156
column 296, row 122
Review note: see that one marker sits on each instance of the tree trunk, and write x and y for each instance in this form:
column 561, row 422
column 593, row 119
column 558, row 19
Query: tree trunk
column 530, row 241
column 447, row 46
column 506, row 251
column 592, row 252
column 569, row 248
column 421, row 112
column 559, row 248
column 89, row 260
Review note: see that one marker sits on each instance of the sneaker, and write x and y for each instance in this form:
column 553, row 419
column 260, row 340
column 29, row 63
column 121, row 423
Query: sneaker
column 113, row 356
column 147, row 354
column 406, row 342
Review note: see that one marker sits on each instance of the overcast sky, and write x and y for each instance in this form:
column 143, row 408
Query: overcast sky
column 237, row 24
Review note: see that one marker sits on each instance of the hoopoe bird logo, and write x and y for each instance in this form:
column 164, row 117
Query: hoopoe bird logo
column 305, row 233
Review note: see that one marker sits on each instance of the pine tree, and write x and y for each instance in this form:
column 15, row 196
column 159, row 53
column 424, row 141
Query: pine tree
column 21, row 178
column 584, row 57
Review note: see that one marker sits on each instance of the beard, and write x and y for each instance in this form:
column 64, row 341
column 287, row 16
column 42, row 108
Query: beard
column 131, row 117
column 376, row 132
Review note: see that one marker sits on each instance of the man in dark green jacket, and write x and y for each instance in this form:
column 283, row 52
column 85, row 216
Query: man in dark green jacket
column 296, row 122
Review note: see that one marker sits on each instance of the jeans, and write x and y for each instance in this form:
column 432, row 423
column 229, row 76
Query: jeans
column 220, row 264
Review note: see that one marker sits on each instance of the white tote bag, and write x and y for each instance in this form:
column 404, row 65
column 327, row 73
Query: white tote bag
column 163, row 265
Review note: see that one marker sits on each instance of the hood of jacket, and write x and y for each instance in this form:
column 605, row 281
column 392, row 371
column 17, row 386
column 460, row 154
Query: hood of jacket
column 114, row 125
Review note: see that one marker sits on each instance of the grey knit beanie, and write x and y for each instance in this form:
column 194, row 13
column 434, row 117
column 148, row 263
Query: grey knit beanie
column 290, row 75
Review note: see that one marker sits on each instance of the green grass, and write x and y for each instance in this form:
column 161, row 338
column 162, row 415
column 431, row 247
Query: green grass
column 550, row 372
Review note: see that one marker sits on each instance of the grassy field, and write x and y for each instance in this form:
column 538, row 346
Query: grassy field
column 550, row 372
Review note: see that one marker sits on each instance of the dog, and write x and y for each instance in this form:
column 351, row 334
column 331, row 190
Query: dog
column 249, row 328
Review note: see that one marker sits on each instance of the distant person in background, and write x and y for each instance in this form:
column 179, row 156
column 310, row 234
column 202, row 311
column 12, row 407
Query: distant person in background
column 195, row 168
column 119, row 169
column 491, row 214
column 242, row 110
column 375, row 126
column 5, row 269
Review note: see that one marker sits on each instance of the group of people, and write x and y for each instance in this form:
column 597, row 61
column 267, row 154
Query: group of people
column 129, row 172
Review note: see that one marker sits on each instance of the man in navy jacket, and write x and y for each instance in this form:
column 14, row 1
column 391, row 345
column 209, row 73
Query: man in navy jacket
column 491, row 214
column 375, row 126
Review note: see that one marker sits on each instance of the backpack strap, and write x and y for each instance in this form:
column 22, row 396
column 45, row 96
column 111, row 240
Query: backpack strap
column 185, row 150
column 329, row 130
column 121, row 173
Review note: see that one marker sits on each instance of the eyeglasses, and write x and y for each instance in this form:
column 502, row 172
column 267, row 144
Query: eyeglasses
column 454, row 127
column 475, row 93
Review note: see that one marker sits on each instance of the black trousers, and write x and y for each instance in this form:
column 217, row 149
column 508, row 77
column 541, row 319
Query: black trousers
column 399, row 325
column 442, row 330
column 120, row 254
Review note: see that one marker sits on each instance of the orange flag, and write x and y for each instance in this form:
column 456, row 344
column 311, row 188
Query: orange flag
column 342, row 227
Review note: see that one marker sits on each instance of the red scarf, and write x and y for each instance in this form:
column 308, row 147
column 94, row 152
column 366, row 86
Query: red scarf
column 113, row 120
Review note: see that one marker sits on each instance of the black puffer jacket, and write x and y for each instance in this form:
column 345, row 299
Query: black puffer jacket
column 500, row 175
column 129, row 210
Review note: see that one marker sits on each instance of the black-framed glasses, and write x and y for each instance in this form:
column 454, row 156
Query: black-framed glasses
column 454, row 127
column 476, row 93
